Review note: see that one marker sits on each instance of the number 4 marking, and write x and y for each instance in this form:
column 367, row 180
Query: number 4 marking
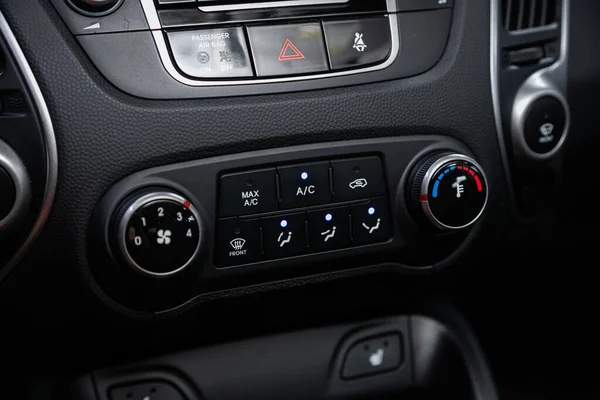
column 189, row 233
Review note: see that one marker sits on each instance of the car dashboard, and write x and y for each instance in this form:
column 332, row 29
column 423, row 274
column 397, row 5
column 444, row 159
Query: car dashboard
column 300, row 199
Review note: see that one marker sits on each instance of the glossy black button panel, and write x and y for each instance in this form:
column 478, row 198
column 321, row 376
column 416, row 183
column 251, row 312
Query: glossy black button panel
column 248, row 193
column 303, row 208
column 358, row 42
column 238, row 241
column 358, row 178
column 281, row 50
column 371, row 222
column 212, row 53
column 373, row 356
column 304, row 185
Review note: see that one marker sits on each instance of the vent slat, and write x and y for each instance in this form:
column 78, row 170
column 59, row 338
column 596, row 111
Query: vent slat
column 526, row 14
column 521, row 16
column 507, row 9
column 532, row 14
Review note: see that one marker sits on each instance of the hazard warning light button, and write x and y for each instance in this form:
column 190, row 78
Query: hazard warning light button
column 280, row 50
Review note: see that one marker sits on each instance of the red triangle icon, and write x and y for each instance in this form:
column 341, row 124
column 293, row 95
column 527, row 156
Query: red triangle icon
column 290, row 52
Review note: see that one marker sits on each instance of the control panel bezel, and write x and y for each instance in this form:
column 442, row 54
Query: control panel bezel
column 409, row 248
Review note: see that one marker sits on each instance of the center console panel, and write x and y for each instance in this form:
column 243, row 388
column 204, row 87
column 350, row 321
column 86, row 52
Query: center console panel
column 412, row 356
column 190, row 49
column 166, row 235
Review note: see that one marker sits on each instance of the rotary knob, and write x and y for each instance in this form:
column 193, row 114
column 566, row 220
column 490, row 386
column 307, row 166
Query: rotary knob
column 158, row 233
column 94, row 8
column 448, row 191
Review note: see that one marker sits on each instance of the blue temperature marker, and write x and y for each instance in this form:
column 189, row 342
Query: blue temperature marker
column 436, row 185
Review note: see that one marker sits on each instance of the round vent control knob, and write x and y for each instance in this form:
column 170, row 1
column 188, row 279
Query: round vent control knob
column 94, row 8
column 449, row 191
column 159, row 233
column 540, row 120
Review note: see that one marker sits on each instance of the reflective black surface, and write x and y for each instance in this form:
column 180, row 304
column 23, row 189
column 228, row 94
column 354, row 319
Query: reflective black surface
column 457, row 193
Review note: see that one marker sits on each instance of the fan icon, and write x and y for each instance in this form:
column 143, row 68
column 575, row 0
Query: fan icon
column 163, row 237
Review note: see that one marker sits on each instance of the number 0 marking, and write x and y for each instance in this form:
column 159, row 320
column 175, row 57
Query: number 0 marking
column 137, row 241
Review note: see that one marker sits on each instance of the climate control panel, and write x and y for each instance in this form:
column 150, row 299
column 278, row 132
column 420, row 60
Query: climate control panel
column 277, row 214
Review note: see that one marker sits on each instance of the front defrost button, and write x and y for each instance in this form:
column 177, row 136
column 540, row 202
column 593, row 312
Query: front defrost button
column 212, row 53
column 238, row 242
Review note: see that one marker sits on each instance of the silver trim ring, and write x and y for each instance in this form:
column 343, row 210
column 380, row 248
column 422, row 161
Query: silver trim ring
column 133, row 208
column 534, row 88
column 49, row 141
column 12, row 164
column 163, row 51
column 427, row 180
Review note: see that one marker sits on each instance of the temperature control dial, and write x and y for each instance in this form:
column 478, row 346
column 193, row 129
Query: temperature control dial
column 159, row 233
column 449, row 191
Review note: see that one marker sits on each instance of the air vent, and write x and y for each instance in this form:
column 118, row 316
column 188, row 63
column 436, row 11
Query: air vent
column 526, row 14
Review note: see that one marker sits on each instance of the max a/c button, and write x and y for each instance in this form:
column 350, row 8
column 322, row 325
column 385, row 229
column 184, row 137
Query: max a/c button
column 248, row 193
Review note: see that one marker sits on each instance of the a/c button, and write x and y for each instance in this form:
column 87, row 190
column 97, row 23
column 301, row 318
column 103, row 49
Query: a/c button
column 304, row 185
column 248, row 193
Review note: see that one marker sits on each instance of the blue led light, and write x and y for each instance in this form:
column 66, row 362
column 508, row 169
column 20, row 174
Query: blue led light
column 304, row 175
column 328, row 217
column 436, row 186
column 283, row 223
column 371, row 210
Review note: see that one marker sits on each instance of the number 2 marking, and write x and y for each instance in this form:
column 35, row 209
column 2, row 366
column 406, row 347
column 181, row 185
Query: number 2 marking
column 161, row 212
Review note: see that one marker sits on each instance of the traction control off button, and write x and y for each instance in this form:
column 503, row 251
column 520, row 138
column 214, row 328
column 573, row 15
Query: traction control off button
column 248, row 193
